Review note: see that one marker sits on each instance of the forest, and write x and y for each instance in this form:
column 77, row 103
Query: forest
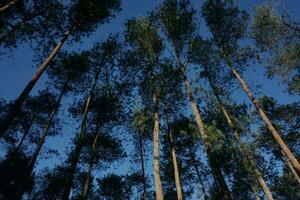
column 144, row 100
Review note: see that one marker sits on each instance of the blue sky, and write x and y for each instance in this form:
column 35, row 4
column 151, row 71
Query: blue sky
column 17, row 68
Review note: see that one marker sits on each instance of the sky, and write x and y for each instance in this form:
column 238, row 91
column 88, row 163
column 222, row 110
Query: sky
column 17, row 68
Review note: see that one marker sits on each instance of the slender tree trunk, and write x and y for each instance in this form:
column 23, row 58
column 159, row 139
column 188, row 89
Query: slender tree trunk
column 287, row 153
column 176, row 170
column 88, row 179
column 158, row 187
column 15, row 108
column 8, row 5
column 203, row 135
column 291, row 168
column 246, row 156
column 143, row 167
column 256, row 195
column 26, row 131
column 201, row 181
column 46, row 129
column 79, row 142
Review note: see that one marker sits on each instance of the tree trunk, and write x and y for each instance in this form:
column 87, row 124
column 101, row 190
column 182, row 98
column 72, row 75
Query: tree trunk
column 256, row 195
column 158, row 187
column 79, row 144
column 176, row 170
column 245, row 155
column 203, row 135
column 49, row 123
column 74, row 158
column 287, row 153
column 141, row 152
column 86, row 188
column 15, row 108
column 291, row 168
column 195, row 165
column 26, row 131
column 8, row 5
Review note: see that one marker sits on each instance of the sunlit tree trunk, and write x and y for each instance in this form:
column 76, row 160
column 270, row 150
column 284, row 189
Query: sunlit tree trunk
column 158, row 187
column 287, row 153
column 15, row 108
column 47, row 127
column 246, row 156
column 88, row 179
column 176, row 170
column 289, row 164
column 8, row 5
column 79, row 142
column 141, row 152
column 203, row 135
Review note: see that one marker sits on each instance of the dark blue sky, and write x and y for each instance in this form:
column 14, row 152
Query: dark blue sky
column 17, row 69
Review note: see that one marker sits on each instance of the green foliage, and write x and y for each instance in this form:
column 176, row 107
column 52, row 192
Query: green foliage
column 226, row 23
column 177, row 21
column 279, row 38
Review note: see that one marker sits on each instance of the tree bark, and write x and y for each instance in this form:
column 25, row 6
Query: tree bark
column 158, row 187
column 79, row 142
column 86, row 188
column 203, row 135
column 176, row 170
column 291, row 168
column 141, row 152
column 8, row 5
column 15, row 108
column 287, row 153
column 46, row 129
column 245, row 155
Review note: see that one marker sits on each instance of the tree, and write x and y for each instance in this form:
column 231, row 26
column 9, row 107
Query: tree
column 177, row 22
column 143, row 38
column 102, row 56
column 231, row 18
column 141, row 135
column 203, row 53
column 84, row 18
column 278, row 38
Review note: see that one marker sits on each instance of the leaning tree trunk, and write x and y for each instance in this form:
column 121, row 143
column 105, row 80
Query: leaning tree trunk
column 246, row 156
column 15, row 108
column 216, row 171
column 88, row 179
column 176, row 170
column 46, row 130
column 296, row 176
column 26, row 131
column 158, row 187
column 8, row 5
column 287, row 153
column 141, row 152
column 79, row 142
column 196, row 167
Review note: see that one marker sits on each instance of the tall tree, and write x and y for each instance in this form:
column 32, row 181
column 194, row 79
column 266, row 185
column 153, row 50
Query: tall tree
column 177, row 22
column 102, row 57
column 220, row 17
column 143, row 38
column 203, row 53
column 83, row 18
